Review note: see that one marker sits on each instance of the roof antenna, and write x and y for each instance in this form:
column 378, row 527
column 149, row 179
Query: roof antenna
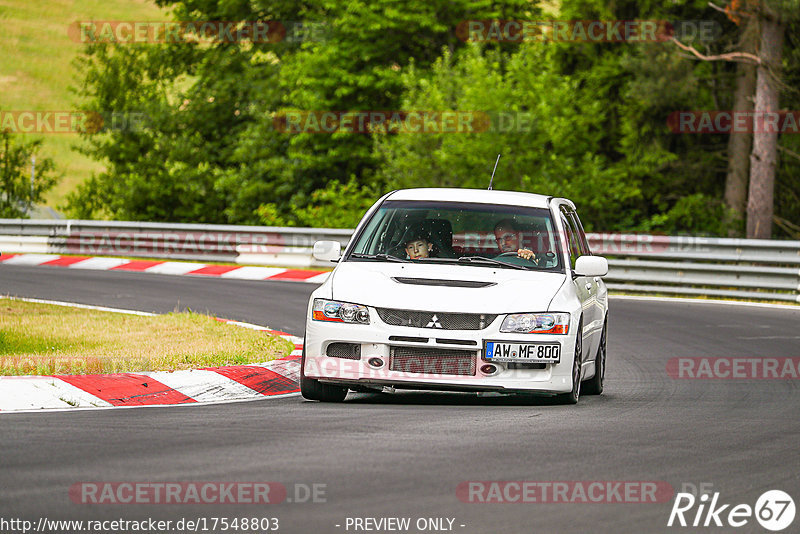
column 495, row 168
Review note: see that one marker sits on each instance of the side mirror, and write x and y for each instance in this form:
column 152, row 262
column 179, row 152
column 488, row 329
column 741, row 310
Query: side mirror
column 591, row 266
column 327, row 250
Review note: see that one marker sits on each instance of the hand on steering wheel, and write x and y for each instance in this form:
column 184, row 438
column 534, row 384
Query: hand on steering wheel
column 523, row 253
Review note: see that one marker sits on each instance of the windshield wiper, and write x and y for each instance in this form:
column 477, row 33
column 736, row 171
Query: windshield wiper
column 384, row 257
column 491, row 261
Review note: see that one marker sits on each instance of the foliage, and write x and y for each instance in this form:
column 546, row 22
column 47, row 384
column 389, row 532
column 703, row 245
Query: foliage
column 583, row 120
column 17, row 193
column 335, row 206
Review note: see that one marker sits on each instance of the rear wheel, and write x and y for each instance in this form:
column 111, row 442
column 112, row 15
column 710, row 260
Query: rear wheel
column 594, row 386
column 573, row 396
column 313, row 389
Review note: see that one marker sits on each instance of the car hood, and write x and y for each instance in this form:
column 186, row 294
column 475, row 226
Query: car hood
column 397, row 285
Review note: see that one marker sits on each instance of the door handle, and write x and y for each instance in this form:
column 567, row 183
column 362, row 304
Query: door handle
column 596, row 278
column 588, row 286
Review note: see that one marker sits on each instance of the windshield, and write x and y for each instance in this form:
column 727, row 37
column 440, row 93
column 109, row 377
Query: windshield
column 458, row 232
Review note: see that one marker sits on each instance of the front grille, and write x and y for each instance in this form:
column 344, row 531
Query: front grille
column 438, row 320
column 409, row 339
column 455, row 341
column 349, row 351
column 432, row 361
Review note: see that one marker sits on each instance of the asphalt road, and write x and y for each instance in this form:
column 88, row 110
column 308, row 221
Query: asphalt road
column 404, row 455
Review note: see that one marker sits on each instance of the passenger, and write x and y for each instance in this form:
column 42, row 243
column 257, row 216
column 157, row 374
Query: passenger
column 418, row 246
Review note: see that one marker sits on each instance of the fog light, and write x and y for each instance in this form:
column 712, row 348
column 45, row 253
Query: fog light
column 375, row 362
column 488, row 369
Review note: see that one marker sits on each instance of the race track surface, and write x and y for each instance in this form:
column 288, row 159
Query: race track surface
column 404, row 455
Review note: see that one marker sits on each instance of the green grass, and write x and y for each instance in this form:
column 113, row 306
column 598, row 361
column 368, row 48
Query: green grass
column 36, row 69
column 44, row 339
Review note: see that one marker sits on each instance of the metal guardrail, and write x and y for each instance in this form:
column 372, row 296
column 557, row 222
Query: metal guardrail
column 680, row 265
column 257, row 245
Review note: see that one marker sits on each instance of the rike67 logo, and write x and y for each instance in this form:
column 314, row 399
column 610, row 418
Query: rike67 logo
column 774, row 510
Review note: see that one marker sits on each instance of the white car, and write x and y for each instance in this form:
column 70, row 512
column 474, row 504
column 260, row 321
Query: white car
column 459, row 290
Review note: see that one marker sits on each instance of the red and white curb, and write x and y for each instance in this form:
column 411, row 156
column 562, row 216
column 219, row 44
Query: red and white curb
column 209, row 385
column 166, row 267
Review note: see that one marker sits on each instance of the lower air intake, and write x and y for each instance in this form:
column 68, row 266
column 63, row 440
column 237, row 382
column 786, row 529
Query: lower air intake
column 349, row 351
column 419, row 360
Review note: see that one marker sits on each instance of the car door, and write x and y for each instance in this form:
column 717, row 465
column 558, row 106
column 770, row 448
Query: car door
column 582, row 284
column 598, row 289
column 595, row 326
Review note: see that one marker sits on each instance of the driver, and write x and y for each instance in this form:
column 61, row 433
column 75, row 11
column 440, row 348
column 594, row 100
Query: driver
column 509, row 239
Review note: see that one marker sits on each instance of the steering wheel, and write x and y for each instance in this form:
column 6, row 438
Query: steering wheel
column 516, row 255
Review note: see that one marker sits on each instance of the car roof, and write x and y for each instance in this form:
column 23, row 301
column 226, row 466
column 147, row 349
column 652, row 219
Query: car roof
column 482, row 196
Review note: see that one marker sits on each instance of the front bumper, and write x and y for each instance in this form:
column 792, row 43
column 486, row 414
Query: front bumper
column 374, row 341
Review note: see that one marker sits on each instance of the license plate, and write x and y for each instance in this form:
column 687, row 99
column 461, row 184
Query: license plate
column 498, row 351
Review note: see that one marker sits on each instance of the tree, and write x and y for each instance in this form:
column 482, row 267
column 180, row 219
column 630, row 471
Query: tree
column 19, row 191
column 740, row 143
column 209, row 151
column 763, row 160
column 764, row 34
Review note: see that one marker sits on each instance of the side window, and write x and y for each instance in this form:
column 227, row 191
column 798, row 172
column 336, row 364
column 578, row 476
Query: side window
column 584, row 243
column 572, row 241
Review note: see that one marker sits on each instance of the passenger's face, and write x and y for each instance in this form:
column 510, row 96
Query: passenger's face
column 418, row 249
column 507, row 239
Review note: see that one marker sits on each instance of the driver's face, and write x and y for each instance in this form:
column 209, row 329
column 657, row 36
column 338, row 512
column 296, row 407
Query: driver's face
column 507, row 239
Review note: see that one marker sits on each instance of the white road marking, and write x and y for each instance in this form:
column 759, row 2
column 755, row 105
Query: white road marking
column 82, row 306
column 31, row 259
column 253, row 273
column 175, row 267
column 99, row 264
column 31, row 393
column 203, row 386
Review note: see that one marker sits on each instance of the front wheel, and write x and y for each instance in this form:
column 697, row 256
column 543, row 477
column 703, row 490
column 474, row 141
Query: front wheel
column 594, row 386
column 313, row 389
column 573, row 396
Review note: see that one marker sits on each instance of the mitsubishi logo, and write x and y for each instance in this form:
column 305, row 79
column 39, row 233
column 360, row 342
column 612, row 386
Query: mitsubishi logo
column 434, row 323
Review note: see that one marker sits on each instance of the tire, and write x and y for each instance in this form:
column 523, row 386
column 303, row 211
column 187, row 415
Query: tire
column 573, row 396
column 594, row 386
column 313, row 389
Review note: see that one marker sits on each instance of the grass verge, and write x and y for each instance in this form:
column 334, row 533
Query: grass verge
column 44, row 339
column 37, row 70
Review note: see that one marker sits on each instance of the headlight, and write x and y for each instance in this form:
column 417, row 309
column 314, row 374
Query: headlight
column 536, row 323
column 341, row 312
